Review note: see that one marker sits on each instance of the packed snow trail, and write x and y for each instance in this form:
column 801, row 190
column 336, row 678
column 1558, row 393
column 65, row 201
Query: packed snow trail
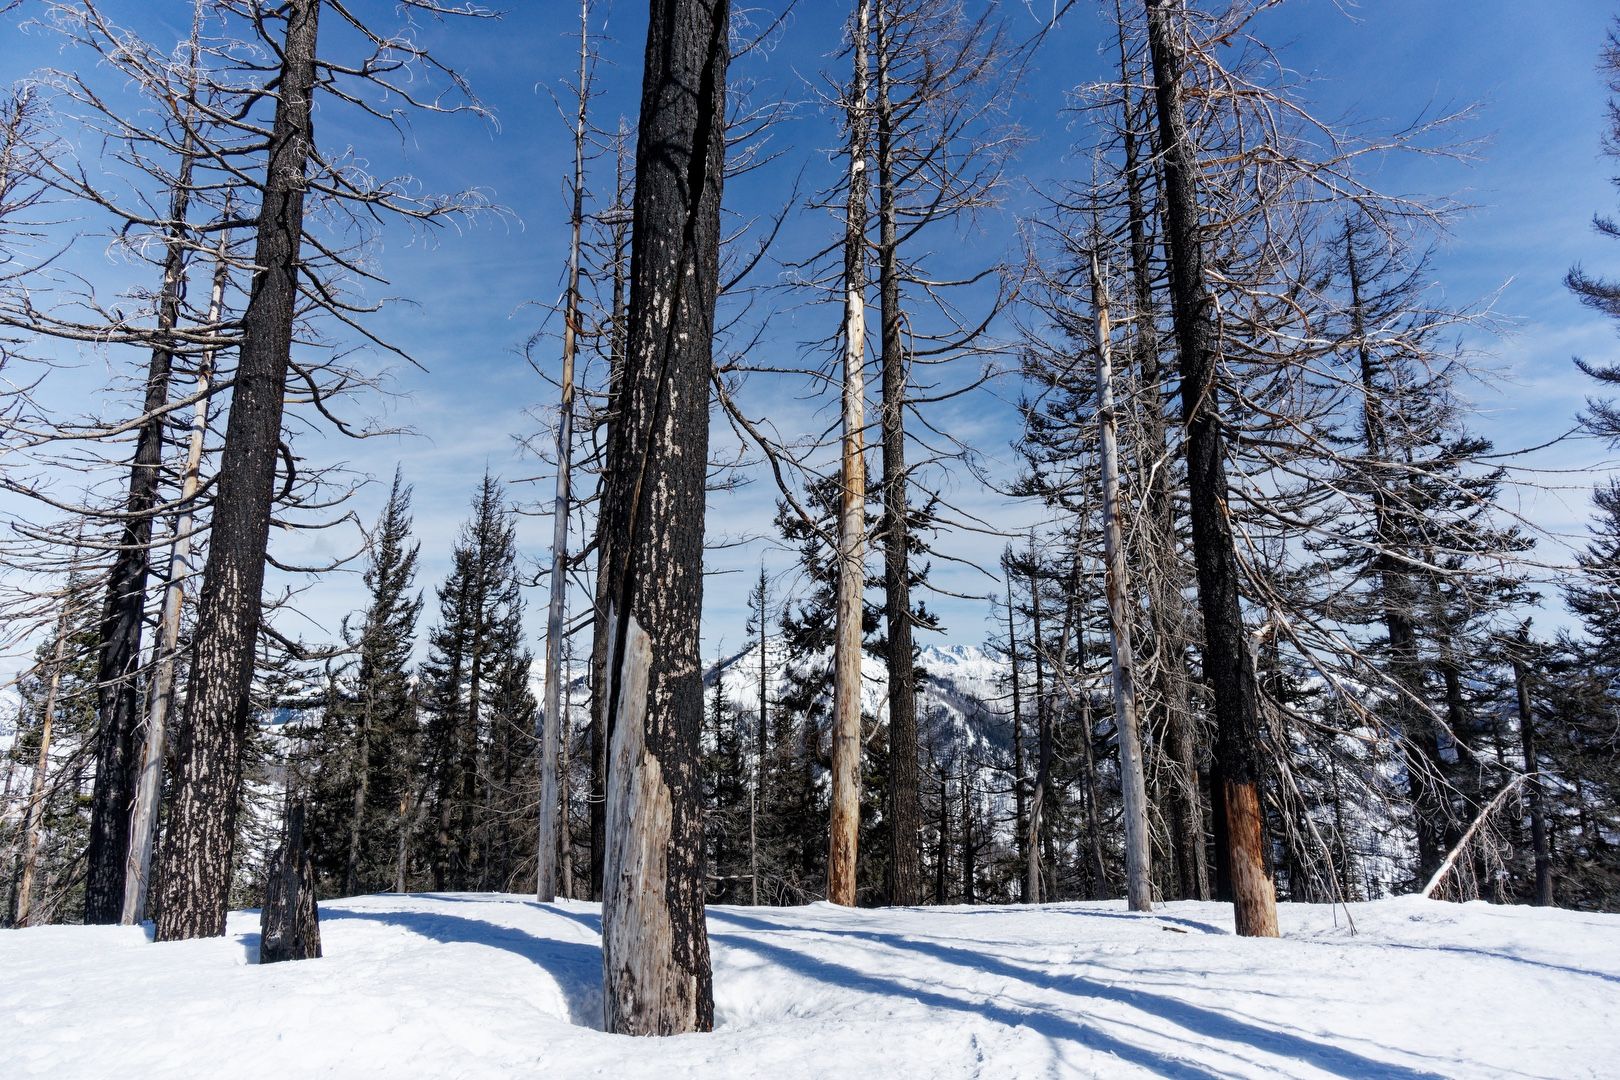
column 474, row 986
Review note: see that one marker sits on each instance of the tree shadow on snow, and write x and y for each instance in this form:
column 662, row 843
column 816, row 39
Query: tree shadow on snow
column 575, row 965
column 1065, row 1025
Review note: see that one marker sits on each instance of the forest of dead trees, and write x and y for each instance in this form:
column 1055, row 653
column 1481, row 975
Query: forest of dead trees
column 1282, row 633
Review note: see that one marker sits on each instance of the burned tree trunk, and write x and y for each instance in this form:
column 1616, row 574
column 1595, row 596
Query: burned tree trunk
column 118, row 689
column 1226, row 655
column 289, row 922
column 201, row 836
column 655, row 944
column 905, row 799
column 1532, row 771
column 844, row 814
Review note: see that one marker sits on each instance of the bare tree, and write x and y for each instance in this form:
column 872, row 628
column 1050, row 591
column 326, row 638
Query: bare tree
column 655, row 948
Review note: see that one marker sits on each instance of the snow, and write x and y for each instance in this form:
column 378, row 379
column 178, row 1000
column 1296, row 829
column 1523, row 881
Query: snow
column 473, row 986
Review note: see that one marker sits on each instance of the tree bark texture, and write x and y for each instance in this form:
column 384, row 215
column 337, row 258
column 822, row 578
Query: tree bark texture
column 655, row 945
column 201, row 835
column 289, row 922
column 844, row 810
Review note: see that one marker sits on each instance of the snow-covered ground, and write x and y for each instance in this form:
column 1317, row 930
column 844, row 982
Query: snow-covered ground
column 468, row 986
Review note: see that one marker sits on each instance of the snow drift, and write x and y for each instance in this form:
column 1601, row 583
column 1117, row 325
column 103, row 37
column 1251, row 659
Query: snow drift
column 472, row 986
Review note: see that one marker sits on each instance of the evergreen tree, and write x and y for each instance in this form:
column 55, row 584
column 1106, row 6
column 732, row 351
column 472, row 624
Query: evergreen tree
column 366, row 736
column 470, row 689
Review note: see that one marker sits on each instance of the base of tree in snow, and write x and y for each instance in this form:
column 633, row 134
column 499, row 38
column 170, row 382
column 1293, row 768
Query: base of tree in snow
column 478, row 985
column 289, row 923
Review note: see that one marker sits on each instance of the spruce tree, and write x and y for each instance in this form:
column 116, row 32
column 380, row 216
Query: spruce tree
column 366, row 737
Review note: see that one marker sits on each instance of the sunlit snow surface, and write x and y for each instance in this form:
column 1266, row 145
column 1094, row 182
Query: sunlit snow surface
column 472, row 986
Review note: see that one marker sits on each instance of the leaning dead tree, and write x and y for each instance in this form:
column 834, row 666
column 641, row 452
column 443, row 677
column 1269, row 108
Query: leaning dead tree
column 200, row 837
column 655, row 948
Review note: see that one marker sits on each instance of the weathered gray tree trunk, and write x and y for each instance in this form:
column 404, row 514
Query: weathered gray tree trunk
column 552, row 839
column 844, row 811
column 1166, row 614
column 1227, row 663
column 1133, row 787
column 655, row 944
column 289, row 921
column 149, row 786
column 201, row 835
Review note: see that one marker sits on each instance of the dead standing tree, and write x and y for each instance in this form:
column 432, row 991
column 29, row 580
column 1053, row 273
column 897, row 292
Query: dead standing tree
column 655, row 947
column 845, row 807
column 1227, row 663
column 200, row 838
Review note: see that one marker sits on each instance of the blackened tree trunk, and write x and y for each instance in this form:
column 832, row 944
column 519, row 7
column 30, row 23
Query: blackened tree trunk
column 905, row 799
column 1532, row 770
column 655, row 945
column 601, row 625
column 1397, row 599
column 1173, row 704
column 1043, row 731
column 1019, row 808
column 202, row 831
column 117, row 687
column 1226, row 654
column 289, row 922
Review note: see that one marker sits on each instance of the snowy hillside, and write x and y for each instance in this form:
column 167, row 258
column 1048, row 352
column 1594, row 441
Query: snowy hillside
column 961, row 693
column 473, row 986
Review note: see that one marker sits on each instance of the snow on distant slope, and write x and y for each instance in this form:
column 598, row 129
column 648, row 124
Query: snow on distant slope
column 961, row 692
column 475, row 986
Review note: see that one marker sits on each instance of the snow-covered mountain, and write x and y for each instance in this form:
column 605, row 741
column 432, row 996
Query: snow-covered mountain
column 963, row 695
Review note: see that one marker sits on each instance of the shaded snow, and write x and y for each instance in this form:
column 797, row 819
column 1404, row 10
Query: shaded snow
column 473, row 986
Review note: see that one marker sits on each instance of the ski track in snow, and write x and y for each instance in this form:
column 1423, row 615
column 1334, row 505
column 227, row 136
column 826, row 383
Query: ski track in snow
column 453, row 986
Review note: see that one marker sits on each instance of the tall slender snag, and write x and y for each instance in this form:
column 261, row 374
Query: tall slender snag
column 1133, row 787
column 149, row 786
column 905, row 803
column 201, row 836
column 551, row 838
column 845, row 810
column 1227, row 664
column 118, row 689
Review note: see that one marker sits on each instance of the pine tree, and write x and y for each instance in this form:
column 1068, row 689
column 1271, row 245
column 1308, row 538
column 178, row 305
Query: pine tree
column 365, row 741
column 475, row 663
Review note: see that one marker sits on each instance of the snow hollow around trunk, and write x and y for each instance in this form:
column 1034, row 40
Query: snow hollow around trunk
column 473, row 986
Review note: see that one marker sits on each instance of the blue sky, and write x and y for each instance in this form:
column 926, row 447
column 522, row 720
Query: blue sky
column 478, row 294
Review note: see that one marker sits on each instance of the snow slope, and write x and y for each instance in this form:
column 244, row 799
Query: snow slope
column 473, row 986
